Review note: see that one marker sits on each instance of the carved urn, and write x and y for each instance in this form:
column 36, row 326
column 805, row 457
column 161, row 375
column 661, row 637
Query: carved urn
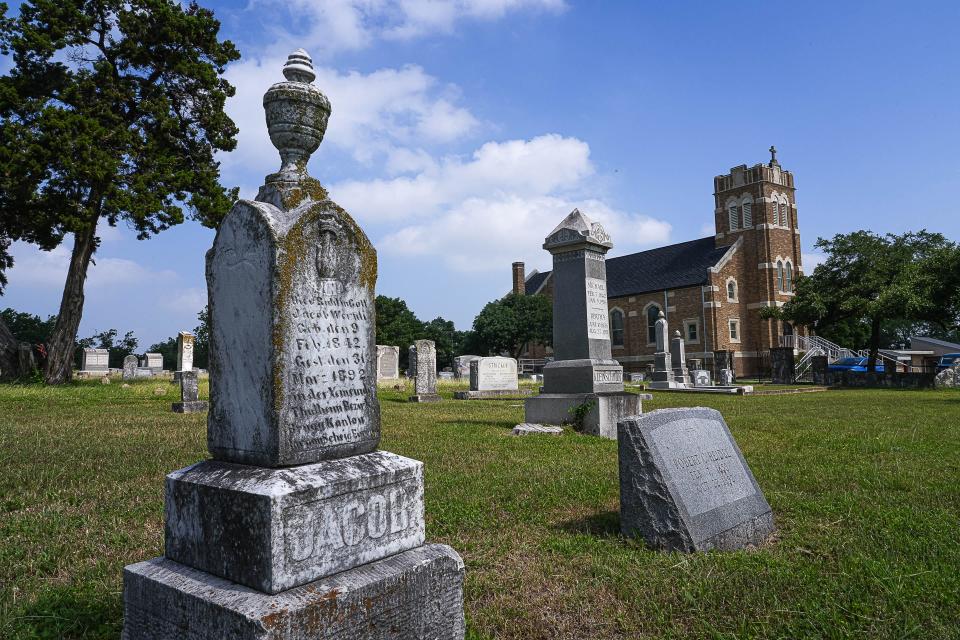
column 297, row 114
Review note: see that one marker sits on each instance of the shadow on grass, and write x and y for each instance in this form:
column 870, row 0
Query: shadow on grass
column 600, row 525
column 67, row 612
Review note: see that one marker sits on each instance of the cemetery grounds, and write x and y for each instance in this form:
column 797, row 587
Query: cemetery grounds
column 864, row 485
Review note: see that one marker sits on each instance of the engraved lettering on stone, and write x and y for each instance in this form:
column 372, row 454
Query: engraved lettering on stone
column 598, row 327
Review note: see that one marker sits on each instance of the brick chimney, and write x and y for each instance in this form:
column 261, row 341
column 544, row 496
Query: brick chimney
column 519, row 282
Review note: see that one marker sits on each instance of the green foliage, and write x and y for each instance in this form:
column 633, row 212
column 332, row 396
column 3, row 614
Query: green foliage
column 201, row 342
column 579, row 413
column 27, row 327
column 168, row 349
column 870, row 283
column 398, row 326
column 508, row 324
column 118, row 350
column 113, row 111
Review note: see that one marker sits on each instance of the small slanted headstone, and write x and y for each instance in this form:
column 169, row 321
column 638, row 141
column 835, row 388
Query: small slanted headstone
column 684, row 485
column 423, row 370
column 298, row 528
column 491, row 378
column 190, row 401
column 130, row 367
column 529, row 429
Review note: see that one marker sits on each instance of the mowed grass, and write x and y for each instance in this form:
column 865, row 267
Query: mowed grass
column 865, row 487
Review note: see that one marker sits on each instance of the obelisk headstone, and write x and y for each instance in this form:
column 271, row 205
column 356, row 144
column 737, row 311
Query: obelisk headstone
column 663, row 375
column 678, row 354
column 423, row 370
column 298, row 528
column 583, row 373
column 185, row 342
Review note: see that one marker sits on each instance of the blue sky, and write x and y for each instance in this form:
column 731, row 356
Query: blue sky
column 464, row 130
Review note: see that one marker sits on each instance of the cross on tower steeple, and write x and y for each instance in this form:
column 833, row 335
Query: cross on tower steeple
column 773, row 157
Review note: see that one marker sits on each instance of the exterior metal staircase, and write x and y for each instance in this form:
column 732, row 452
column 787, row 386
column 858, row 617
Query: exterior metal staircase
column 811, row 346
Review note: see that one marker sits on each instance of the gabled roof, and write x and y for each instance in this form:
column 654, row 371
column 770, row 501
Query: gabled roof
column 935, row 342
column 672, row 267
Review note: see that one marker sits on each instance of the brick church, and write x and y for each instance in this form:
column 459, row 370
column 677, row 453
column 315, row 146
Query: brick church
column 711, row 289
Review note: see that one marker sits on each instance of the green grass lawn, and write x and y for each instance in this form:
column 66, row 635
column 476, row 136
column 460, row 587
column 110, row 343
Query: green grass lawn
column 865, row 488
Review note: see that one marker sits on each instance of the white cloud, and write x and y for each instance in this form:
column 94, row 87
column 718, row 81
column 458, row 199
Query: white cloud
column 544, row 165
column 48, row 269
column 375, row 115
column 332, row 26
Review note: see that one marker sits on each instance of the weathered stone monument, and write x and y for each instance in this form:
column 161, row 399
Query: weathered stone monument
column 423, row 370
column 663, row 376
column 583, row 373
column 461, row 366
column 388, row 362
column 678, row 354
column 298, row 527
column 130, row 367
column 727, row 378
column 491, row 378
column 154, row 362
column 782, row 365
column 190, row 401
column 684, row 485
column 185, row 341
column 95, row 361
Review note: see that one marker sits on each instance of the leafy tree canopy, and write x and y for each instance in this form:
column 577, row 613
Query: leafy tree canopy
column 117, row 349
column 112, row 112
column 508, row 324
column 27, row 327
column 870, row 283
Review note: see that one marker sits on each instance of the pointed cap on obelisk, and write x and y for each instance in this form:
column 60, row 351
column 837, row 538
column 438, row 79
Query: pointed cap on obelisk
column 577, row 231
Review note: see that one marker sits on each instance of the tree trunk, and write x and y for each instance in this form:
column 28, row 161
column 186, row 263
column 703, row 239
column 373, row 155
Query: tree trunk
column 874, row 345
column 60, row 349
column 9, row 354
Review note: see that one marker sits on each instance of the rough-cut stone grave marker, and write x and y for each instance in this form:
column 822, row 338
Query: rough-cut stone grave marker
column 130, row 367
column 684, row 485
column 298, row 528
column 190, row 401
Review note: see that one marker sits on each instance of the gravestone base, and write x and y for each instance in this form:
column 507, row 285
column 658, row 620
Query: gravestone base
column 574, row 376
column 425, row 397
column 492, row 393
column 665, row 384
column 601, row 420
column 273, row 529
column 417, row 594
column 527, row 429
column 194, row 406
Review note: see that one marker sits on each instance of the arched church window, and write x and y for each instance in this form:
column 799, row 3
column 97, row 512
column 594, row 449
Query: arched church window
column 731, row 291
column 788, row 277
column 653, row 314
column 616, row 328
column 779, row 275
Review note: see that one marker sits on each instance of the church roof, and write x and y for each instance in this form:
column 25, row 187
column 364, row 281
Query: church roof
column 672, row 267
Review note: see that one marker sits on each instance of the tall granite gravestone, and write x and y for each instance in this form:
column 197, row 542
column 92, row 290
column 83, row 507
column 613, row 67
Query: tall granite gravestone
column 663, row 376
column 684, row 485
column 298, row 528
column 491, row 378
column 130, row 367
column 96, row 360
column 678, row 354
column 423, row 370
column 388, row 362
column 820, row 370
column 583, row 373
column 190, row 401
column 782, row 365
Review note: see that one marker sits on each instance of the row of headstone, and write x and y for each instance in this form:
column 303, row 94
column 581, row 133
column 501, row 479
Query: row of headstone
column 298, row 527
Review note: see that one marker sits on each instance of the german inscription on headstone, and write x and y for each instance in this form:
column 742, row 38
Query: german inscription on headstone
column 297, row 528
column 685, row 486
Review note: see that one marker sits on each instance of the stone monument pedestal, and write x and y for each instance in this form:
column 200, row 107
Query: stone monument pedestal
column 414, row 594
column 193, row 406
column 601, row 420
